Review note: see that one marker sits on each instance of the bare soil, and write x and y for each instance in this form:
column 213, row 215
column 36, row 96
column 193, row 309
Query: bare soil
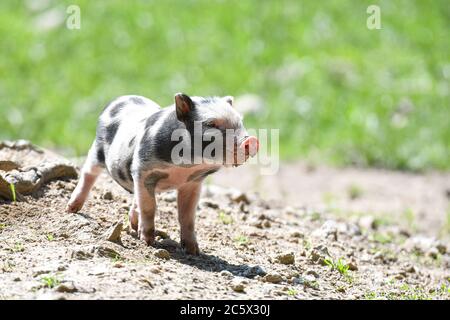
column 252, row 248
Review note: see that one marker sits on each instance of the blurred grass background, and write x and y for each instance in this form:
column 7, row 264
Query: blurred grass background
column 340, row 93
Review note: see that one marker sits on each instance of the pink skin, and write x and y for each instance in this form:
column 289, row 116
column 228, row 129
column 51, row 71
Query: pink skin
column 88, row 176
column 251, row 146
column 248, row 148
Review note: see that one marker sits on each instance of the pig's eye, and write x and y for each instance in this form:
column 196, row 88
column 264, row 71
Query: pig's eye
column 211, row 124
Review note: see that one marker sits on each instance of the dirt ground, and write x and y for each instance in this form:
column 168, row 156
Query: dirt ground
column 420, row 202
column 252, row 247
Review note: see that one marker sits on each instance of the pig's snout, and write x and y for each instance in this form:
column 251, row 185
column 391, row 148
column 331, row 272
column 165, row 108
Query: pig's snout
column 250, row 146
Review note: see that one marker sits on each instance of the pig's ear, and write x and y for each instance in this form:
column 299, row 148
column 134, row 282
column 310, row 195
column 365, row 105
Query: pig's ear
column 183, row 105
column 229, row 100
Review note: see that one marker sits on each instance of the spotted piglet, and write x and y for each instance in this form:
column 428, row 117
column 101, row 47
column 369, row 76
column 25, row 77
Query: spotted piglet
column 148, row 149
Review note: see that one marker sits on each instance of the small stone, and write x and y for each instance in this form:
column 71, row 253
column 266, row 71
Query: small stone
column 113, row 234
column 312, row 272
column 162, row 254
column 210, row 204
column 155, row 270
column 267, row 224
column 226, row 274
column 108, row 195
column 107, row 251
column 441, row 248
column 433, row 253
column 286, row 258
column 378, row 255
column 238, row 286
column 297, row 234
column 80, row 255
column 66, row 288
column 352, row 266
column 411, row 269
column 319, row 253
column 240, row 197
column 17, row 279
column 253, row 271
column 273, row 277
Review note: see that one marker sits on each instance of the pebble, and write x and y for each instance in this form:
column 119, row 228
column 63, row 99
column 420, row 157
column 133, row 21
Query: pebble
column 239, row 197
column 319, row 253
column 113, row 234
column 66, row 288
column 286, row 258
column 253, row 271
column 155, row 270
column 162, row 254
column 312, row 272
column 108, row 196
column 273, row 277
column 238, row 286
column 297, row 234
column 352, row 266
column 226, row 274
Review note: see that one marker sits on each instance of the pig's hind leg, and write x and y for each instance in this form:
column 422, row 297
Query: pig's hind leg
column 133, row 215
column 93, row 166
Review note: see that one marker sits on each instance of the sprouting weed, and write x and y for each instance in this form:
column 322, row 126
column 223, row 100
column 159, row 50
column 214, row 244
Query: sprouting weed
column 12, row 187
column 225, row 218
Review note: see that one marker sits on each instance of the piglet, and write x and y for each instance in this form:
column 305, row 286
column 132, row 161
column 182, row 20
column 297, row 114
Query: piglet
column 148, row 149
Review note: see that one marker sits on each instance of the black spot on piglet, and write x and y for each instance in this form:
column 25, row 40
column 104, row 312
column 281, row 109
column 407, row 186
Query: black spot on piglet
column 100, row 155
column 115, row 109
column 137, row 100
column 111, row 131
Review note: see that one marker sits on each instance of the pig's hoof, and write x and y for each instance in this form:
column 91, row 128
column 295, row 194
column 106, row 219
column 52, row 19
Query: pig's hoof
column 134, row 224
column 148, row 236
column 74, row 206
column 191, row 247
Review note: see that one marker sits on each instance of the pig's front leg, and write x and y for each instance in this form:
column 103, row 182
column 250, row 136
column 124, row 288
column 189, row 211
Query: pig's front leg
column 144, row 188
column 188, row 196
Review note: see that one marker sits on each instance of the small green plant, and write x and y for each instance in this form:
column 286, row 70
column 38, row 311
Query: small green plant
column 225, row 218
column 241, row 240
column 292, row 292
column 50, row 281
column 2, row 226
column 117, row 258
column 12, row 187
column 18, row 247
column 340, row 266
column 410, row 218
column 50, row 237
column 354, row 192
column 381, row 238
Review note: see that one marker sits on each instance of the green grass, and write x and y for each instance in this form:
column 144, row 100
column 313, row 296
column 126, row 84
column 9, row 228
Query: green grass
column 241, row 240
column 50, row 281
column 12, row 187
column 338, row 265
column 340, row 93
column 225, row 218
